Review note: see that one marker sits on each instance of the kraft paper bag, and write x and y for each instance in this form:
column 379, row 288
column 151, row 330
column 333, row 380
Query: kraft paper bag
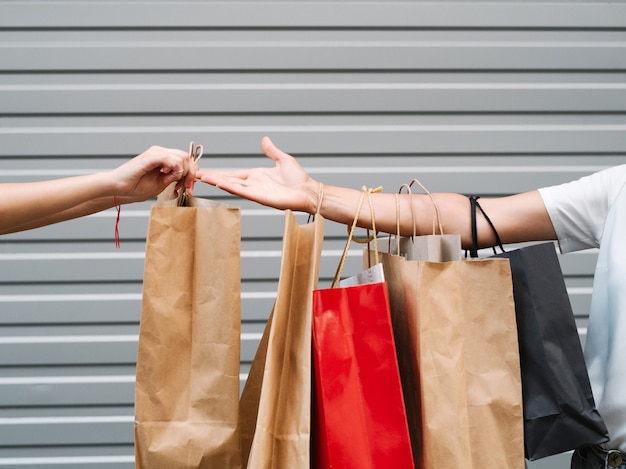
column 435, row 247
column 276, row 400
column 187, row 386
column 559, row 409
column 455, row 331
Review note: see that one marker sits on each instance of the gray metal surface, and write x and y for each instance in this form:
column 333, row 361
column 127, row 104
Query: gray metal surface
column 488, row 98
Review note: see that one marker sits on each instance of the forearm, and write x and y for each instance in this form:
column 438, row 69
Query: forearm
column 518, row 218
column 86, row 208
column 414, row 213
column 31, row 205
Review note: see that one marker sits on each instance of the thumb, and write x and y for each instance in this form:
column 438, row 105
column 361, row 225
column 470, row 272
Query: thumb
column 272, row 151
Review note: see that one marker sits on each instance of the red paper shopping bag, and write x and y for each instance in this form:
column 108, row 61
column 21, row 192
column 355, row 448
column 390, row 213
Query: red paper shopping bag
column 359, row 420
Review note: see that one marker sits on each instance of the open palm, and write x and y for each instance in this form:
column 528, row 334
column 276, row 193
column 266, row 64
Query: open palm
column 285, row 186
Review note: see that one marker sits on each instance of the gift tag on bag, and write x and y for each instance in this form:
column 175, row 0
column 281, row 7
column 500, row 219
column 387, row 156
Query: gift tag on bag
column 372, row 275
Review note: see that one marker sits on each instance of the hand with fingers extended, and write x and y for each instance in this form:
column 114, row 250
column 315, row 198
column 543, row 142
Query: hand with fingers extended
column 285, row 186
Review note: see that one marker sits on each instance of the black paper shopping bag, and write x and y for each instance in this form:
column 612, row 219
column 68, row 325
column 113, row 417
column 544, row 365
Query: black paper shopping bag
column 559, row 409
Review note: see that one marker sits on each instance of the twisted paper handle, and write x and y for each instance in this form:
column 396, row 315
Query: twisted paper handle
column 436, row 215
column 195, row 153
column 351, row 236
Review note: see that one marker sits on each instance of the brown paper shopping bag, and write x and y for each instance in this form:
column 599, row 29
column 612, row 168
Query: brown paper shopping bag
column 455, row 331
column 187, row 387
column 455, row 328
column 276, row 400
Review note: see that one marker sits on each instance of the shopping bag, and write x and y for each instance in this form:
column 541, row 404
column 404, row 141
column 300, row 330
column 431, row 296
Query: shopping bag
column 359, row 416
column 187, row 383
column 455, row 332
column 436, row 247
column 275, row 406
column 559, row 409
column 454, row 326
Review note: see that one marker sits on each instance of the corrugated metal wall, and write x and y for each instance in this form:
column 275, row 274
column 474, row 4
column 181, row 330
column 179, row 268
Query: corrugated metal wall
column 472, row 97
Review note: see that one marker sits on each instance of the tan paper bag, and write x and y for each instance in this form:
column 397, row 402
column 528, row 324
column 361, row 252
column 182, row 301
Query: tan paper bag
column 456, row 339
column 275, row 409
column 455, row 331
column 435, row 247
column 187, row 388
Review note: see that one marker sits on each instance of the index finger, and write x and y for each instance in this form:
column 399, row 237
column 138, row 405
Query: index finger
column 214, row 176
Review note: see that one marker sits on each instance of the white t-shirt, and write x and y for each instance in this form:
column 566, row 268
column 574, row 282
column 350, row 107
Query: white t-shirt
column 587, row 213
column 578, row 209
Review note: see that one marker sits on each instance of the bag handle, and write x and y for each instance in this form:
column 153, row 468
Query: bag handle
column 320, row 197
column 195, row 153
column 397, row 194
column 351, row 236
column 368, row 239
column 397, row 226
column 473, row 205
column 436, row 215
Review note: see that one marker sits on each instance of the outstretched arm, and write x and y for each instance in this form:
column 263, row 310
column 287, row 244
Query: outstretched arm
column 31, row 205
column 518, row 218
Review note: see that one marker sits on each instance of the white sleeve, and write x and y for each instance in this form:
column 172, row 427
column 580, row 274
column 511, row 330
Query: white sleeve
column 578, row 209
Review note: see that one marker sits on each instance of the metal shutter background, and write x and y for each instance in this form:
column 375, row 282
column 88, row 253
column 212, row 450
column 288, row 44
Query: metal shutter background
column 473, row 97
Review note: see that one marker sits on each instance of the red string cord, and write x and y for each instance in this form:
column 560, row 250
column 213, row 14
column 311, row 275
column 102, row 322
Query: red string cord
column 117, row 222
